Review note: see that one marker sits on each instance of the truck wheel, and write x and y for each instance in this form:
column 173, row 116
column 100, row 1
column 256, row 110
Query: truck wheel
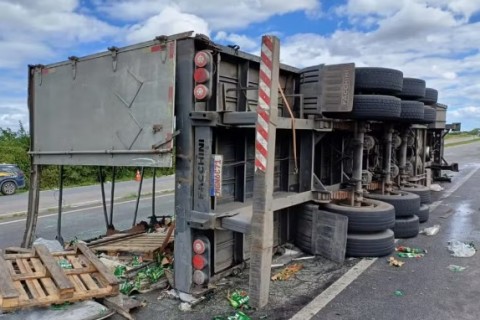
column 372, row 216
column 431, row 96
column 423, row 213
column 430, row 115
column 371, row 107
column 412, row 89
column 412, row 111
column 371, row 244
column 406, row 227
column 423, row 192
column 378, row 80
column 8, row 188
column 406, row 204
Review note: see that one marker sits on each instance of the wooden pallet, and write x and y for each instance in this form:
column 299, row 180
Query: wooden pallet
column 36, row 278
column 144, row 244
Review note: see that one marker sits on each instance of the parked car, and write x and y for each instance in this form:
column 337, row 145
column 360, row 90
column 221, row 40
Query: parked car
column 11, row 178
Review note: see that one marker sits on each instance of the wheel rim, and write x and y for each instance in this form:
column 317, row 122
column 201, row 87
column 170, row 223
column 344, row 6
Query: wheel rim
column 9, row 188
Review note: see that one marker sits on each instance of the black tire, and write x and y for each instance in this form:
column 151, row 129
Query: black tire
column 407, row 227
column 423, row 192
column 378, row 80
column 431, row 96
column 8, row 188
column 371, row 107
column 406, row 204
column 371, row 244
column 412, row 111
column 413, row 89
column 374, row 216
column 430, row 115
column 423, row 213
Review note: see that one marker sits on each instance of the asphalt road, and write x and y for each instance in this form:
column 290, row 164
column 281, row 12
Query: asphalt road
column 82, row 195
column 85, row 223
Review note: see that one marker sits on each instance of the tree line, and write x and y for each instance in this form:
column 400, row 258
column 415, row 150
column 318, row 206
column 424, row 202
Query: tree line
column 14, row 147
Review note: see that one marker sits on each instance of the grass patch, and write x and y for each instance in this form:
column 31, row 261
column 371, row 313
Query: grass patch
column 461, row 142
column 458, row 135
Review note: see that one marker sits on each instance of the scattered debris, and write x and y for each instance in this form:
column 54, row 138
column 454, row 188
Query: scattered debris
column 461, row 249
column 410, row 250
column 238, row 299
column 279, row 265
column 398, row 293
column 64, row 264
column 431, row 231
column 84, row 310
column 410, row 255
column 456, row 268
column 239, row 315
column 52, row 245
column 436, row 187
column 395, row 263
column 286, row 273
column 185, row 306
column 122, row 304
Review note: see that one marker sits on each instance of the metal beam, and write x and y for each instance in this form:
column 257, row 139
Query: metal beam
column 262, row 218
column 33, row 202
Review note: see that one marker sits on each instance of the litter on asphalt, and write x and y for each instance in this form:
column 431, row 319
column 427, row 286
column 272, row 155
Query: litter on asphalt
column 461, row 249
column 456, row 268
column 395, row 263
column 431, row 231
column 288, row 272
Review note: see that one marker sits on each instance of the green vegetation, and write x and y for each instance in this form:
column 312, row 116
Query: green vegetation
column 14, row 146
column 463, row 134
column 461, row 142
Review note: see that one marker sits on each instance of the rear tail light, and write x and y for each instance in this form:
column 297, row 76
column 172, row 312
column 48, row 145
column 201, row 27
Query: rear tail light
column 203, row 75
column 201, row 260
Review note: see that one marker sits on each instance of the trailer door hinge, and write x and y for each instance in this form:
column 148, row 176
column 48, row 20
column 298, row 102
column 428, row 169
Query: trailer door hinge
column 114, row 52
column 73, row 61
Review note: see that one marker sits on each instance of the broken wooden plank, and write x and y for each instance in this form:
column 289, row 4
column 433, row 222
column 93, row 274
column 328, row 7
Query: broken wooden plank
column 101, row 268
column 64, row 285
column 122, row 304
column 8, row 293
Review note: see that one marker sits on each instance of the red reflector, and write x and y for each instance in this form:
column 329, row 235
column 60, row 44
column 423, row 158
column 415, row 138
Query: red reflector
column 201, row 75
column 199, row 262
column 198, row 246
column 202, row 58
column 200, row 92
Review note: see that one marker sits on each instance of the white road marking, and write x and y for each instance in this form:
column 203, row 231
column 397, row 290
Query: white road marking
column 323, row 299
column 82, row 209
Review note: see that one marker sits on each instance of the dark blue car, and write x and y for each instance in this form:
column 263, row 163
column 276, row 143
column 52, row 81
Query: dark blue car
column 11, row 178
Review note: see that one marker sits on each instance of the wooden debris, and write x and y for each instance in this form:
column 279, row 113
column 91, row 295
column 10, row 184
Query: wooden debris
column 288, row 272
column 144, row 244
column 395, row 263
column 36, row 279
column 122, row 304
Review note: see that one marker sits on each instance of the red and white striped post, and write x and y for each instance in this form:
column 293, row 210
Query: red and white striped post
column 262, row 218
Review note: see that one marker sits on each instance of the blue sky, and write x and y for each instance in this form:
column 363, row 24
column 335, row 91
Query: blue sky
column 437, row 40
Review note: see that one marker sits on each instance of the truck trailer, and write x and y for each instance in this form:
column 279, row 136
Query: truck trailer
column 336, row 159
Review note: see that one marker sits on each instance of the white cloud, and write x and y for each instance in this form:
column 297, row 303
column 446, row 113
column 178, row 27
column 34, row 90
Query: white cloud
column 13, row 111
column 219, row 14
column 169, row 21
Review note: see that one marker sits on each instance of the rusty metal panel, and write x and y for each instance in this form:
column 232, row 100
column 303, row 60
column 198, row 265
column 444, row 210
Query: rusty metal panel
column 113, row 108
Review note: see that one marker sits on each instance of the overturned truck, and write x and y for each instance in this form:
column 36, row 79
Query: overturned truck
column 264, row 153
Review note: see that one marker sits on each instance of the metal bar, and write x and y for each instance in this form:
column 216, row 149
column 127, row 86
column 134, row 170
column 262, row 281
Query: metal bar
column 112, row 198
column 184, row 166
column 153, row 218
column 104, row 201
column 263, row 184
column 359, row 136
column 60, row 205
column 54, row 153
column 388, row 157
column 138, row 197
column 33, row 202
